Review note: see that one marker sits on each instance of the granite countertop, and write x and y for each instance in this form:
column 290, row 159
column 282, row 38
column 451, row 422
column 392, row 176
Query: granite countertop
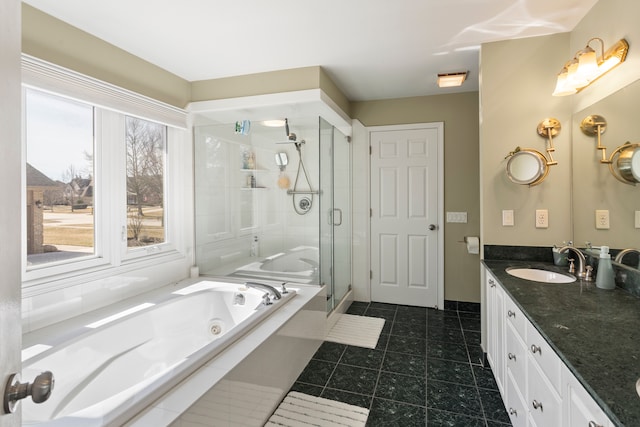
column 594, row 331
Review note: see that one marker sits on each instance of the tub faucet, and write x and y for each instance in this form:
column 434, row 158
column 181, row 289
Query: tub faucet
column 623, row 252
column 581, row 259
column 275, row 294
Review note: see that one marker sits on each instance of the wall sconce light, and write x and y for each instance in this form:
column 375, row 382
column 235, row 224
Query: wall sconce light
column 452, row 79
column 586, row 67
column 624, row 161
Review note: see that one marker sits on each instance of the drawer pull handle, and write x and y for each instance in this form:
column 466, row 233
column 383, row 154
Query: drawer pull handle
column 511, row 313
column 515, row 414
column 594, row 424
column 535, row 349
column 512, row 356
column 537, row 405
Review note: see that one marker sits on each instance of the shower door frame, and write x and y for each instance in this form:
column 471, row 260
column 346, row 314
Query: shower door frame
column 333, row 215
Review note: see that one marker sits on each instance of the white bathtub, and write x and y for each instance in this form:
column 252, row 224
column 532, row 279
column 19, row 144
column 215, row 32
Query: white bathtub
column 300, row 264
column 110, row 369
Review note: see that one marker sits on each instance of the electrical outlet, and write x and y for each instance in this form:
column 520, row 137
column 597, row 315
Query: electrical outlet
column 507, row 218
column 542, row 218
column 637, row 221
column 602, row 219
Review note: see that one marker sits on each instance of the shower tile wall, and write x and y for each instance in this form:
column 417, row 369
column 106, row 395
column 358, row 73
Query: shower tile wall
column 229, row 215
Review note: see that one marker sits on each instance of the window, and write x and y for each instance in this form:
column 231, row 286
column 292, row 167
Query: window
column 146, row 148
column 101, row 194
column 60, row 188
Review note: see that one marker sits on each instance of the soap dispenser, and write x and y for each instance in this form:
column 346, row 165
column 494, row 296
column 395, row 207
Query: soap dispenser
column 604, row 277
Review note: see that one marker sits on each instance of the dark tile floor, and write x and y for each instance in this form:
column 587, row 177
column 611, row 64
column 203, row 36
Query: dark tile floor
column 425, row 371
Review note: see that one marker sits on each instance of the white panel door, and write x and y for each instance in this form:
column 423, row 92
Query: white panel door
column 405, row 212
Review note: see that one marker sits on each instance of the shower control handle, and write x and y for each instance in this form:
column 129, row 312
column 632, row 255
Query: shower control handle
column 39, row 390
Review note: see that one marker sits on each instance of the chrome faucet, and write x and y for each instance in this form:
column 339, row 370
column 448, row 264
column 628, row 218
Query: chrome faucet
column 623, row 252
column 581, row 259
column 275, row 294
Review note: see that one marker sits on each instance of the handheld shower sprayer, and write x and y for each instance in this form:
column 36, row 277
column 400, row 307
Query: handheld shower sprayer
column 290, row 135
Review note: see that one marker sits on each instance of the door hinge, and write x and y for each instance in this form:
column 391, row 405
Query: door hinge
column 371, row 212
column 370, row 150
column 370, row 274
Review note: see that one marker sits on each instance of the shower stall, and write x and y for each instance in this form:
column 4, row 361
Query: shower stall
column 273, row 202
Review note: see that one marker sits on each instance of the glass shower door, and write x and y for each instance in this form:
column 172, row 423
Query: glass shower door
column 341, row 215
column 335, row 205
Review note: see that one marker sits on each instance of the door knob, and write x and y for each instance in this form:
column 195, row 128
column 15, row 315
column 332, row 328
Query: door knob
column 432, row 227
column 39, row 390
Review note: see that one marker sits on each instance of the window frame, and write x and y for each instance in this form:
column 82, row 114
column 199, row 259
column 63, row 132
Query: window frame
column 111, row 255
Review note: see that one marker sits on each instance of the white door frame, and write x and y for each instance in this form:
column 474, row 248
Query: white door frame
column 11, row 196
column 441, row 223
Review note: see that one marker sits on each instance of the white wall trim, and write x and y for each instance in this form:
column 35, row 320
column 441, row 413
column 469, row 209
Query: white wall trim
column 50, row 77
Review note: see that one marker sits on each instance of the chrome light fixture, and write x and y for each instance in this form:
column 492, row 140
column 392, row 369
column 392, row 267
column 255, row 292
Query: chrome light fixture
column 586, row 67
column 452, row 79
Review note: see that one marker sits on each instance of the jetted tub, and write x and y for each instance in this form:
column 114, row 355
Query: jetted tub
column 112, row 368
column 300, row 264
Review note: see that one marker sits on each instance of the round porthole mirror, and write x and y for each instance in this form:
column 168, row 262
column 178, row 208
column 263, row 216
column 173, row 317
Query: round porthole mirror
column 527, row 167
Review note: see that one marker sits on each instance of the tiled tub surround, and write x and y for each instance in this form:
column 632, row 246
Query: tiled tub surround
column 595, row 332
column 289, row 334
column 425, row 370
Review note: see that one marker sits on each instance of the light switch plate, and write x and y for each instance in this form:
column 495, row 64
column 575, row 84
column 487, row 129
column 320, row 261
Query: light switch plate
column 602, row 219
column 460, row 217
column 507, row 218
column 542, row 218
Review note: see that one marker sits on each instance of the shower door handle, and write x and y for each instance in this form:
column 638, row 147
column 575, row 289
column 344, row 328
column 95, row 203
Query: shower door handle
column 339, row 212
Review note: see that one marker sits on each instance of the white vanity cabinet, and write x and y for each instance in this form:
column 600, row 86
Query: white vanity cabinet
column 536, row 386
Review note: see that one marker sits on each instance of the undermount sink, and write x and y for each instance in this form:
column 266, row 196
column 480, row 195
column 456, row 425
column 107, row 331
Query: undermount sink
column 538, row 275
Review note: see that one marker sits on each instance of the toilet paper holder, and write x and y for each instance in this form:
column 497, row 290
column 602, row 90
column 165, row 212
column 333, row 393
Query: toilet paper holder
column 473, row 244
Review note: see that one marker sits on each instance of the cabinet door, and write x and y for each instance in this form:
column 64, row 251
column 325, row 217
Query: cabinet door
column 495, row 330
column 580, row 410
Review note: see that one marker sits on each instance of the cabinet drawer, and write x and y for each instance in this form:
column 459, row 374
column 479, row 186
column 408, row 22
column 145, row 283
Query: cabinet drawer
column 516, row 354
column 544, row 356
column 514, row 403
column 515, row 317
column 543, row 402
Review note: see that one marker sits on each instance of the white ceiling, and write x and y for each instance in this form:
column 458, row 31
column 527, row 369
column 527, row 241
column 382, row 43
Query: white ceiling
column 372, row 49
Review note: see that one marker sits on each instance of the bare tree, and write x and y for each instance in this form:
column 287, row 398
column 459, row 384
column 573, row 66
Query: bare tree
column 68, row 176
column 135, row 225
column 145, row 161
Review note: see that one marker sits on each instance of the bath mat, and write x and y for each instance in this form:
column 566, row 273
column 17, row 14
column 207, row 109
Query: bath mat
column 298, row 409
column 354, row 330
